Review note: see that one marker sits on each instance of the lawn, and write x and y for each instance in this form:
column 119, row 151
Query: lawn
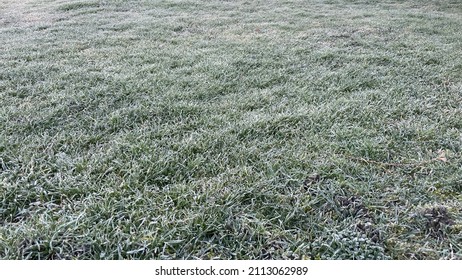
column 317, row 129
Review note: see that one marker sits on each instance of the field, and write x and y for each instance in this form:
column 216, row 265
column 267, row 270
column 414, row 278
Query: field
column 231, row 129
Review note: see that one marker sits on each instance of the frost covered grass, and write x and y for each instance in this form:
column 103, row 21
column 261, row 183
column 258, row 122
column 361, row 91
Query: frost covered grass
column 231, row 129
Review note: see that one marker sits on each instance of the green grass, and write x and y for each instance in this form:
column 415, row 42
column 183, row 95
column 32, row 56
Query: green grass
column 231, row 129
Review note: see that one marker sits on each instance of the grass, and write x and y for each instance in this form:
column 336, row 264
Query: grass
column 231, row 129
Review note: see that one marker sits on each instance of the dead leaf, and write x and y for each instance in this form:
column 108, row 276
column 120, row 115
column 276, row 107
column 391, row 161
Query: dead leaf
column 312, row 179
column 442, row 156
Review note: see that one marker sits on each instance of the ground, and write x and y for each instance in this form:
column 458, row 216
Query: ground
column 231, row 129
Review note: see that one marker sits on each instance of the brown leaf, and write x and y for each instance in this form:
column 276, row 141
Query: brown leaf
column 312, row 179
column 442, row 156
